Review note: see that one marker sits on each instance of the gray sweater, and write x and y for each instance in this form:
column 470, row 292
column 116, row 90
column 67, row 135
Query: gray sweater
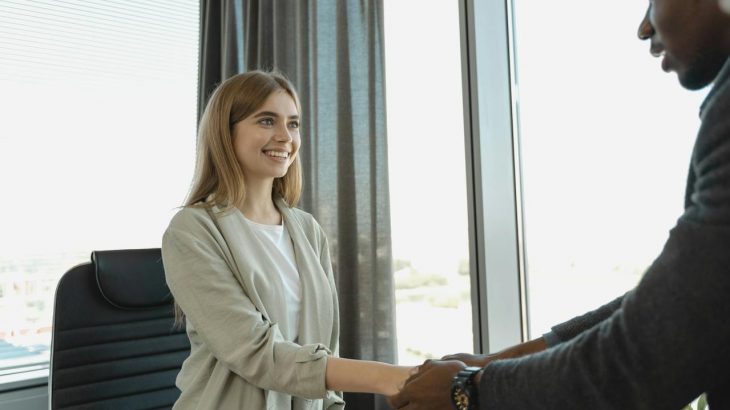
column 666, row 341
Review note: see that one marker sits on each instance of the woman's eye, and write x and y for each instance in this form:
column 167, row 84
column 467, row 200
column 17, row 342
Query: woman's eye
column 266, row 121
column 294, row 124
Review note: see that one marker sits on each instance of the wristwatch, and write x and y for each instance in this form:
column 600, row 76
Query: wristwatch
column 463, row 389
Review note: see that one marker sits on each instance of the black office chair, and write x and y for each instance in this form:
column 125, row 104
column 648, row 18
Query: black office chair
column 114, row 343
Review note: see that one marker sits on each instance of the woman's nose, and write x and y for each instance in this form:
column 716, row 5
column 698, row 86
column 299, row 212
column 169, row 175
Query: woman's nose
column 283, row 133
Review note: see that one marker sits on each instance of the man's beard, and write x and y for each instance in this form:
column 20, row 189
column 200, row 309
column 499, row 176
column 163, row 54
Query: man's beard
column 703, row 71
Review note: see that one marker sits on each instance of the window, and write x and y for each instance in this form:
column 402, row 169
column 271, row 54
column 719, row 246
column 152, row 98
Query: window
column 606, row 139
column 99, row 103
column 427, row 179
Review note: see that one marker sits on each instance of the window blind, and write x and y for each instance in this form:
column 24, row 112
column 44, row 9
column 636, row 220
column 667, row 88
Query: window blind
column 97, row 138
column 96, row 39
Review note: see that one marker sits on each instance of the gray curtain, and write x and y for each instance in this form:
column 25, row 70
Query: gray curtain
column 332, row 50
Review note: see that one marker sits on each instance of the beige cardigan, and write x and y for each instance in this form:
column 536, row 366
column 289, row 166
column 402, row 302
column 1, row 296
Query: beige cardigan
column 233, row 300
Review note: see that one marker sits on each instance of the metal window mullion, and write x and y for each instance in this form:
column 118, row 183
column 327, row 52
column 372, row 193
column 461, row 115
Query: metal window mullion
column 492, row 175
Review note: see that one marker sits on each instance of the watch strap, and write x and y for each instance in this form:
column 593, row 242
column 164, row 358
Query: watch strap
column 463, row 389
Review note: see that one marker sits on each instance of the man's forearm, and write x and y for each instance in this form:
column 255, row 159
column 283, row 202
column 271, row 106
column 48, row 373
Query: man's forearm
column 573, row 327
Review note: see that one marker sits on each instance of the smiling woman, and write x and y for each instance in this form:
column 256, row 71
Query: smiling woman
column 266, row 143
column 265, row 108
column 251, row 274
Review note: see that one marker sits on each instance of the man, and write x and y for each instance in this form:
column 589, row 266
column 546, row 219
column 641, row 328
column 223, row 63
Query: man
column 666, row 341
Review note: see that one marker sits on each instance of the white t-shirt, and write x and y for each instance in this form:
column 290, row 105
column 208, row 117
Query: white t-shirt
column 277, row 241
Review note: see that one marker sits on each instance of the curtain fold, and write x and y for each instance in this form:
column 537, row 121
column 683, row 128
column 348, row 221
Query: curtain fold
column 221, row 45
column 332, row 50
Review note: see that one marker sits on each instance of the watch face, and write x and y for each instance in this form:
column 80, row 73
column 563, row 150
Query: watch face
column 461, row 399
column 463, row 391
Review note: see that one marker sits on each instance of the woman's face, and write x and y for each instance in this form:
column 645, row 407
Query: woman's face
column 267, row 141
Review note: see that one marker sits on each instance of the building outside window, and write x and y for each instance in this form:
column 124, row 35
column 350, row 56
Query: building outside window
column 99, row 103
column 606, row 139
column 427, row 179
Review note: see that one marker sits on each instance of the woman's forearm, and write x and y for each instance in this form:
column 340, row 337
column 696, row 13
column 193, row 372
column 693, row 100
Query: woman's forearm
column 364, row 376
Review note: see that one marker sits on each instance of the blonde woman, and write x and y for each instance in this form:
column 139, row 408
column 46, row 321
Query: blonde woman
column 251, row 273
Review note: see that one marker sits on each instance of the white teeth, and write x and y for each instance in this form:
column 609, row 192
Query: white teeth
column 279, row 154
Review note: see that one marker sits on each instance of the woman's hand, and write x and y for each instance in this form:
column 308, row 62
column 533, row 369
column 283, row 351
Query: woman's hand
column 394, row 377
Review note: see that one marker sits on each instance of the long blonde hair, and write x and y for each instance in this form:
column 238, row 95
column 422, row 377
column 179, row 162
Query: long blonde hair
column 217, row 170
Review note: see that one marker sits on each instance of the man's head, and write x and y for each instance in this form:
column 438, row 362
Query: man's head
column 692, row 36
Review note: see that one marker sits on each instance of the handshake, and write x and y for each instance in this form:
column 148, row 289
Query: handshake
column 429, row 386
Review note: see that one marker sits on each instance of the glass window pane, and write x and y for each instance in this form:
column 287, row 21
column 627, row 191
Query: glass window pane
column 606, row 138
column 427, row 179
column 96, row 144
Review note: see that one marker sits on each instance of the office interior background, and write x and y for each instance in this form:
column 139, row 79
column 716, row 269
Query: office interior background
column 536, row 158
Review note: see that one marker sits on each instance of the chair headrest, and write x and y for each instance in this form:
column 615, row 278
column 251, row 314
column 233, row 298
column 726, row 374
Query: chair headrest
column 131, row 278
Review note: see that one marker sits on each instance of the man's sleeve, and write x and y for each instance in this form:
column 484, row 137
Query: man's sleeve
column 572, row 328
column 665, row 345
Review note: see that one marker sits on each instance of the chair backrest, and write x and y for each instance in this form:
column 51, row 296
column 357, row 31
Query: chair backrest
column 114, row 343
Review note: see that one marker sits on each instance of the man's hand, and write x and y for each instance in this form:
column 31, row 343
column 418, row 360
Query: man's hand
column 429, row 388
column 482, row 360
column 471, row 359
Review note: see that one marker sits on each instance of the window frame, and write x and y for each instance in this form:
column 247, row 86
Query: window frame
column 496, row 240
